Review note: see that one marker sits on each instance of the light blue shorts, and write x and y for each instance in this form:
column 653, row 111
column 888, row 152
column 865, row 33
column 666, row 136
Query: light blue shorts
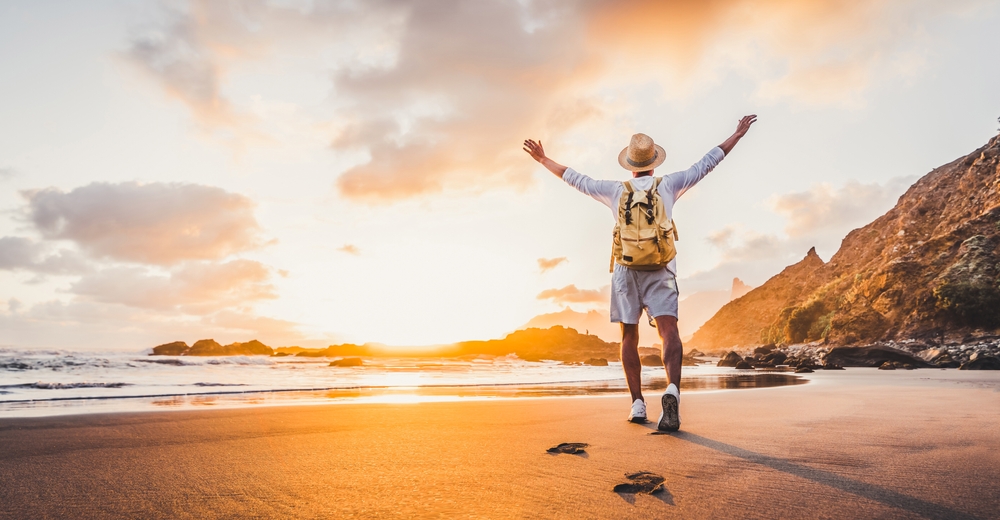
column 634, row 291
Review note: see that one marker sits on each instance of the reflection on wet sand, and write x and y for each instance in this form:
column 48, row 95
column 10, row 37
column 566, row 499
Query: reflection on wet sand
column 397, row 394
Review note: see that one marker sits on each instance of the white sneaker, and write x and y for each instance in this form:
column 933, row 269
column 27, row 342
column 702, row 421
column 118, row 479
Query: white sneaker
column 638, row 413
column 670, row 417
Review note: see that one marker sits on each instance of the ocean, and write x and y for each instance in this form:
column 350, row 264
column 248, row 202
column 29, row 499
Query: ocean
column 42, row 383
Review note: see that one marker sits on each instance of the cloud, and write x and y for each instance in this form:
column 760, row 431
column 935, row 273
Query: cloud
column 7, row 173
column 156, row 223
column 547, row 264
column 19, row 253
column 819, row 217
column 146, row 259
column 826, row 208
column 350, row 249
column 192, row 50
column 434, row 96
column 449, row 116
column 93, row 325
column 570, row 294
column 820, row 52
column 193, row 287
column 178, row 59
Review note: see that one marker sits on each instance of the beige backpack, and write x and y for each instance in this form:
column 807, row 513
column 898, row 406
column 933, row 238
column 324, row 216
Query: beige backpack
column 644, row 236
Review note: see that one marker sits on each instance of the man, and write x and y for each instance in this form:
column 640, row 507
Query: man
column 635, row 289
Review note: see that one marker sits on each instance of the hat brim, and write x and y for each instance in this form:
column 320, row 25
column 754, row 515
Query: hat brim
column 661, row 155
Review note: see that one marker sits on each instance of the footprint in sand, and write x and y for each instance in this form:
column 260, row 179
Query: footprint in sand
column 643, row 482
column 572, row 448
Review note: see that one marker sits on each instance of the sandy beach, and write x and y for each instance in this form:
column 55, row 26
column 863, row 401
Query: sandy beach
column 854, row 444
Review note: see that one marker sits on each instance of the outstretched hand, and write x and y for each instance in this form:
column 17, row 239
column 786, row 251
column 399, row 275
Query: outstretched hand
column 534, row 149
column 741, row 130
column 744, row 124
column 537, row 153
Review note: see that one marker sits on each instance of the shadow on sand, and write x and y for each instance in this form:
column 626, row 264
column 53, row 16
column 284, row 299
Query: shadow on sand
column 861, row 489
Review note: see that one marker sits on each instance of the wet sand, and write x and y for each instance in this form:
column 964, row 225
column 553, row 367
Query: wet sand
column 855, row 444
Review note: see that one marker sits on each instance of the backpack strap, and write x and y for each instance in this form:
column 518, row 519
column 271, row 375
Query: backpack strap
column 628, row 202
column 648, row 206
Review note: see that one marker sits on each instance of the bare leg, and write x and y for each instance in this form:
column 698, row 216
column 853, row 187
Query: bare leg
column 673, row 351
column 630, row 360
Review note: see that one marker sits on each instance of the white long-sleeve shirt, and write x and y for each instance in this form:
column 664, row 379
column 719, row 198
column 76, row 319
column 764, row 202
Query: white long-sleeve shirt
column 671, row 187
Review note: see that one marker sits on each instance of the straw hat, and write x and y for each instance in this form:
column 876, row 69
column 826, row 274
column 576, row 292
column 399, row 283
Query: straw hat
column 641, row 154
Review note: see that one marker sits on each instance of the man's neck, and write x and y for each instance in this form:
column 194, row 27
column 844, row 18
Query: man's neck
column 636, row 175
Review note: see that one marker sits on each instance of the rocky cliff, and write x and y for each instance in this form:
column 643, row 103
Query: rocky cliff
column 929, row 270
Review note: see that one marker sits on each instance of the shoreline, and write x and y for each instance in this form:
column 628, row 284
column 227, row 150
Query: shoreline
column 235, row 399
column 863, row 446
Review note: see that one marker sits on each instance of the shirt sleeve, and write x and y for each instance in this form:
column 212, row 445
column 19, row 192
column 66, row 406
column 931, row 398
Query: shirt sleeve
column 601, row 191
column 681, row 181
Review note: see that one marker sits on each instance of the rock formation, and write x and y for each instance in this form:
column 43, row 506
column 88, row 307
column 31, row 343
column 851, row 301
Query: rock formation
column 347, row 362
column 739, row 289
column 929, row 269
column 210, row 347
column 176, row 348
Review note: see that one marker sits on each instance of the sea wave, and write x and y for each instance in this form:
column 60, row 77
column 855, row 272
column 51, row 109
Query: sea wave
column 165, row 361
column 20, row 360
column 62, row 386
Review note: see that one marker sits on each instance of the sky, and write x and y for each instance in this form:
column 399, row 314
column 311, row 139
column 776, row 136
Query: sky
column 309, row 172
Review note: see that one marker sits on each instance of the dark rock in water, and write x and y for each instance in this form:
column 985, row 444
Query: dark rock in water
column 176, row 348
column 932, row 355
column 643, row 482
column 803, row 370
column 775, row 358
column 730, row 360
column 209, row 347
column 832, row 366
column 347, row 362
column 887, row 365
column 596, row 362
column 694, row 353
column 763, row 351
column 871, row 356
column 982, row 363
column 689, row 361
column 250, row 348
column 311, row 353
column 652, row 360
column 280, row 354
column 571, row 448
column 743, row 365
column 946, row 361
column 205, row 347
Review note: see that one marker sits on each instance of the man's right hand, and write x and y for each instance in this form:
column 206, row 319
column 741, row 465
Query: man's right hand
column 741, row 130
column 744, row 124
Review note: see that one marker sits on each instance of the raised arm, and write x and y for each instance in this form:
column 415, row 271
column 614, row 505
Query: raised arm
column 741, row 130
column 537, row 153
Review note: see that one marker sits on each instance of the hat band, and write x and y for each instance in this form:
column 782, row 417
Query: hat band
column 643, row 163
